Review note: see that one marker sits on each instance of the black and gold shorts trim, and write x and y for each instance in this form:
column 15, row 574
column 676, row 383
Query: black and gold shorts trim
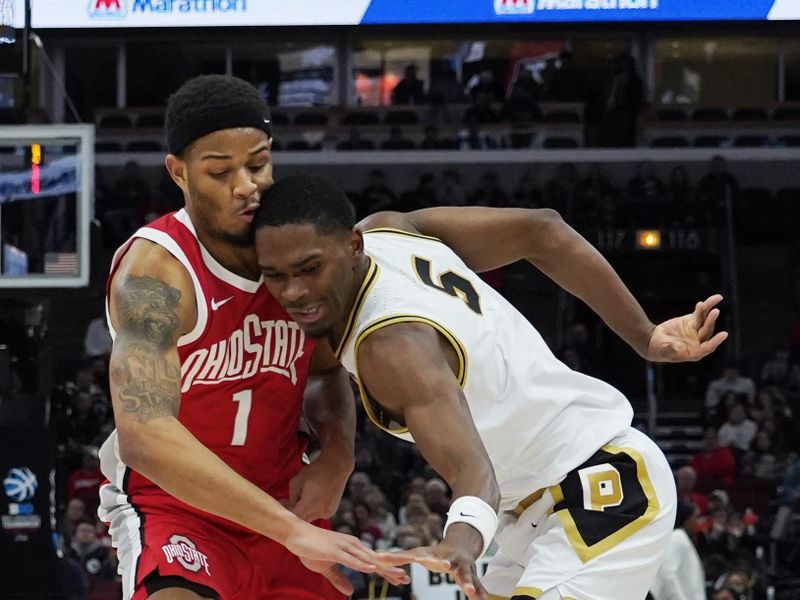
column 605, row 500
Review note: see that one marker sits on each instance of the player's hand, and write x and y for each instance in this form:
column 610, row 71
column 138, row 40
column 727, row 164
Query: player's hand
column 687, row 338
column 456, row 562
column 315, row 492
column 456, row 556
column 320, row 550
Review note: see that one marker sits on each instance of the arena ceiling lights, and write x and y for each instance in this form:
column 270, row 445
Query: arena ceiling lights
column 78, row 14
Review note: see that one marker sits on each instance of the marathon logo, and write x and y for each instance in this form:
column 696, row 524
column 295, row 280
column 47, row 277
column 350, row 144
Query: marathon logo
column 185, row 551
column 107, row 9
column 189, row 6
column 514, row 7
column 258, row 347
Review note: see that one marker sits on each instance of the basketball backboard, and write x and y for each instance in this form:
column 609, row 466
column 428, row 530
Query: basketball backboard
column 46, row 205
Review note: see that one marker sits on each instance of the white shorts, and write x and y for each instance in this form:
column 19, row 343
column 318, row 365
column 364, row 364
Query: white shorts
column 600, row 534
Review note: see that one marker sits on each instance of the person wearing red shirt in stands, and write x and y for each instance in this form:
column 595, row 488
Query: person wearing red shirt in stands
column 84, row 483
column 715, row 465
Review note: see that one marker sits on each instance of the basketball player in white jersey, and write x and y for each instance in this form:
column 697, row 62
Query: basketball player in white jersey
column 587, row 503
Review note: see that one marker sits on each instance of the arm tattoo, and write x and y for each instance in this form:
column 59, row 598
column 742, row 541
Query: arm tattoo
column 147, row 309
column 148, row 381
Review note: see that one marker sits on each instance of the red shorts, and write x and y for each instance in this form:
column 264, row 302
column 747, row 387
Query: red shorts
column 218, row 562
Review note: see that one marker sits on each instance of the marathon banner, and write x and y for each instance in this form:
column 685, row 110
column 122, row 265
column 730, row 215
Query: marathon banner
column 78, row 14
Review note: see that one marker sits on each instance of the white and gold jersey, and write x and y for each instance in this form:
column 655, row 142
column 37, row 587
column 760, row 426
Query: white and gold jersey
column 537, row 418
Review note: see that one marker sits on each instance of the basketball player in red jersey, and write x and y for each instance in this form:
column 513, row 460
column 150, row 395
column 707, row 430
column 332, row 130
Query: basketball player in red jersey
column 207, row 377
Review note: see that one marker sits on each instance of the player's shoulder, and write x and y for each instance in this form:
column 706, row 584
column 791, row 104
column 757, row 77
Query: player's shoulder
column 145, row 258
column 393, row 223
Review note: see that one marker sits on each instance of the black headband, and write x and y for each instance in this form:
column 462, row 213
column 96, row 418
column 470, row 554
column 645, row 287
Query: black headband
column 228, row 116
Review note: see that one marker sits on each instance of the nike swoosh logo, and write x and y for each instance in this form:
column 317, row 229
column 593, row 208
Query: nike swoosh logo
column 215, row 305
column 466, row 515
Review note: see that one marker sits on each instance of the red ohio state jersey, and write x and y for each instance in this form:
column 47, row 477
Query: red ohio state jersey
column 243, row 371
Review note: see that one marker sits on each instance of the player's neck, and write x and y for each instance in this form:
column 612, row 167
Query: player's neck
column 240, row 260
column 360, row 274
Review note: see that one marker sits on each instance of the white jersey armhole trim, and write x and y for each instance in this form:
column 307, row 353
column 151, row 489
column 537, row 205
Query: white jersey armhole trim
column 171, row 246
column 246, row 285
column 380, row 323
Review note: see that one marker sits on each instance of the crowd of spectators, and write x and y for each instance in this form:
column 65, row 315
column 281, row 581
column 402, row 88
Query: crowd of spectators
column 740, row 492
column 84, row 420
column 590, row 199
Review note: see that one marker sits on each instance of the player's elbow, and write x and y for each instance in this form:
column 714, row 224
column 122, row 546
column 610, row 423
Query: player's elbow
column 549, row 234
column 133, row 447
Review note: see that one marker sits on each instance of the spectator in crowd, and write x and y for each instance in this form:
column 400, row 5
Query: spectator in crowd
column 686, row 480
column 590, row 195
column 781, row 372
column 97, row 559
column 414, row 502
column 738, row 431
column 763, row 461
column 130, row 192
column 559, row 192
column 523, row 101
column 681, row 575
column 791, row 487
column 527, row 195
column 408, row 536
column 645, row 185
column 97, row 341
column 624, row 97
column 489, row 193
column 715, row 465
column 473, row 137
column 718, row 184
column 733, row 381
column 377, row 195
column 645, row 205
column 430, row 140
column 84, row 483
column 734, row 586
column 358, row 487
column 486, row 90
column 382, row 516
column 74, row 513
column 548, row 76
column 369, row 529
column 451, row 192
column 84, row 423
column 423, row 196
column 678, row 195
column 566, row 83
column 435, row 527
column 437, row 496
column 397, row 141
column 354, row 141
column 445, row 88
column 410, row 89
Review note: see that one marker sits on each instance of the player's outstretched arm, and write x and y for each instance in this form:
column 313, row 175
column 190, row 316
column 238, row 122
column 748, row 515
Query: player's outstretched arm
column 488, row 238
column 409, row 369
column 329, row 407
column 152, row 304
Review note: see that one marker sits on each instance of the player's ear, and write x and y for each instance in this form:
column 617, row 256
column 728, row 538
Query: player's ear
column 176, row 167
column 356, row 245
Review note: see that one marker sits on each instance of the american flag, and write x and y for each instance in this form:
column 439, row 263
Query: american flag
column 60, row 263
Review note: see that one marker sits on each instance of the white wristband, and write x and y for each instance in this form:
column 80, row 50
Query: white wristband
column 475, row 512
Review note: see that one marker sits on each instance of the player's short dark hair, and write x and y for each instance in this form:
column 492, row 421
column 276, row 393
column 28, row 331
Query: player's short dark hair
column 209, row 103
column 306, row 199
